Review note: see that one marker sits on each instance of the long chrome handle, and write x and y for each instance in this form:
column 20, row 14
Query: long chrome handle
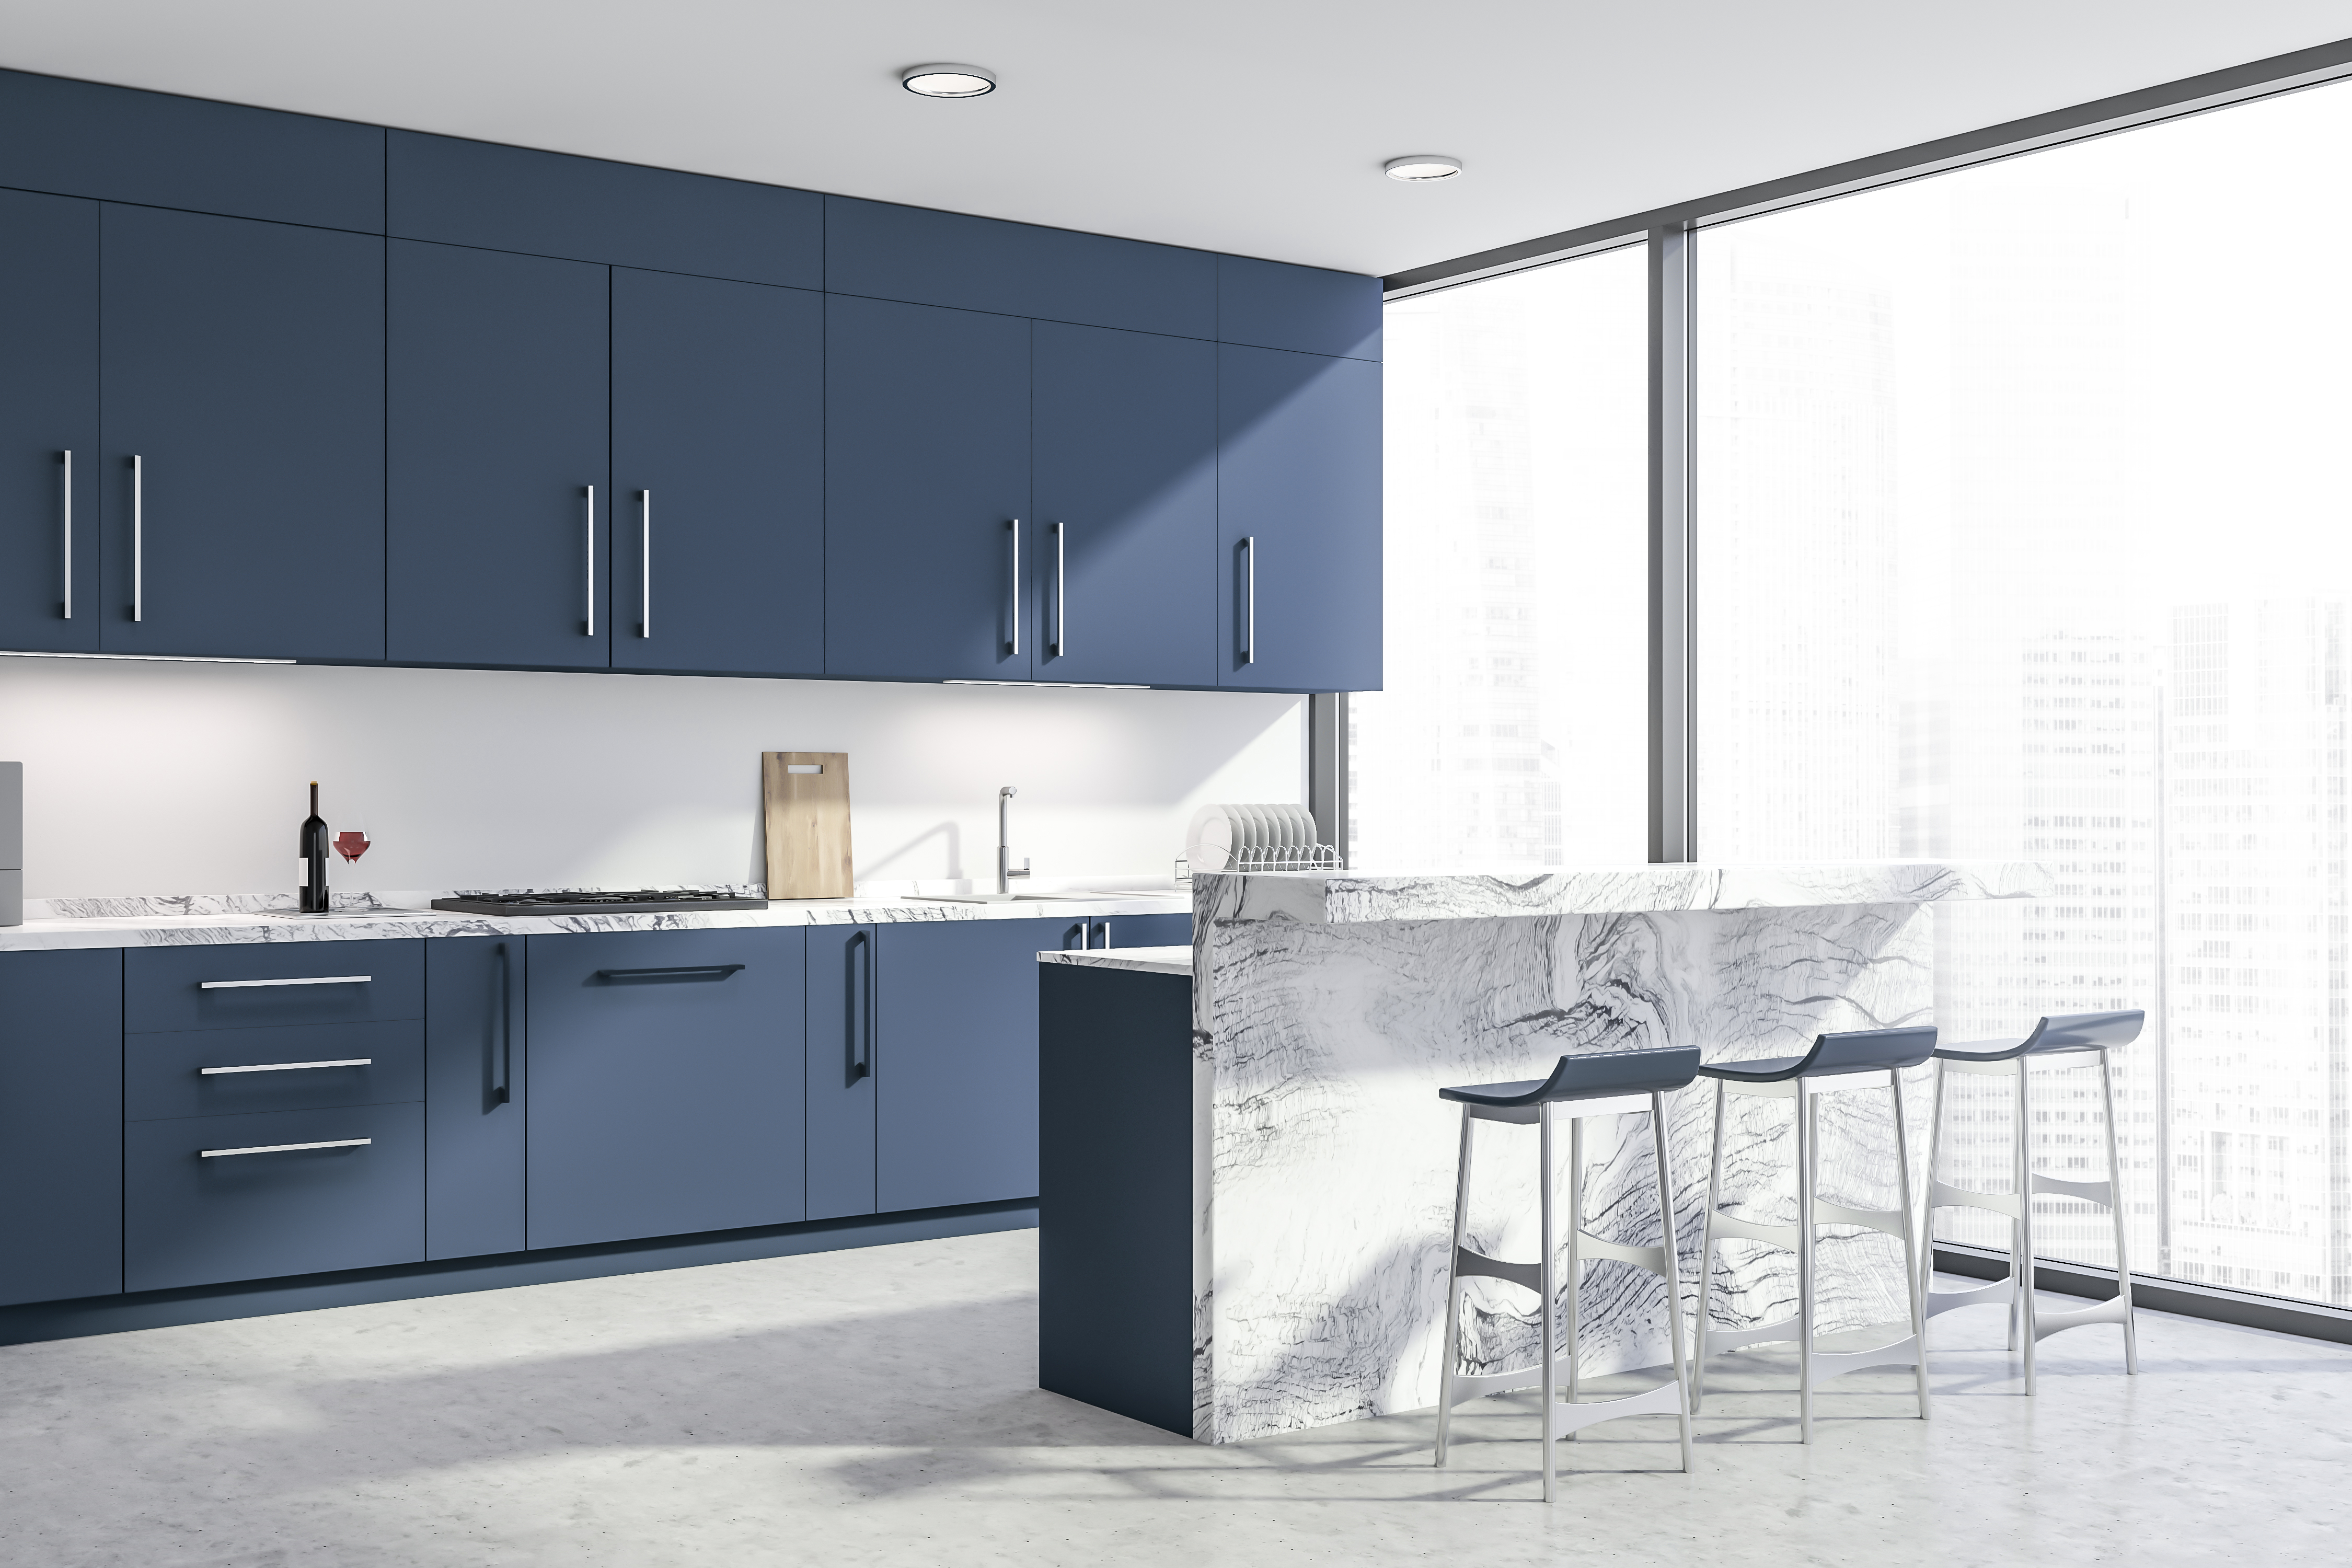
column 680, row 972
column 645, row 564
column 1061, row 594
column 1249, row 612
column 1013, row 587
column 501, row 1090
column 287, row 1147
column 589, row 556
column 288, row 1067
column 138, row 541
column 69, row 533
column 1105, row 931
column 302, row 980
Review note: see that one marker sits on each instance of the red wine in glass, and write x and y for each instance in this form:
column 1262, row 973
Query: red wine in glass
column 352, row 843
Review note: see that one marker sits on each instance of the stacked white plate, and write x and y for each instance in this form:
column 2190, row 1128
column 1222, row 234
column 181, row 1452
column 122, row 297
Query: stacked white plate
column 1231, row 837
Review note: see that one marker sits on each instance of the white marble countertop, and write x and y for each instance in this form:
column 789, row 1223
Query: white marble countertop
column 1145, row 960
column 226, row 918
column 1345, row 898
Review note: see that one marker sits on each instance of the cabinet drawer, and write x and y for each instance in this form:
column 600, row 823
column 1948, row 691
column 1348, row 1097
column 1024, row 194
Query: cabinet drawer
column 286, row 1068
column 191, row 1219
column 261, row 984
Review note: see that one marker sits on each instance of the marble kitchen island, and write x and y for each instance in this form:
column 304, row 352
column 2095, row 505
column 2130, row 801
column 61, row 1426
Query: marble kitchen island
column 1246, row 1176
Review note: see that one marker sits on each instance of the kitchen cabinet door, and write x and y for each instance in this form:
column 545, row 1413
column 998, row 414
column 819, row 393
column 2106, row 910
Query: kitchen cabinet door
column 665, row 1083
column 476, row 1094
column 956, row 1062
column 718, row 469
column 1126, row 484
column 1149, row 931
column 49, row 408
column 842, row 972
column 60, row 1124
column 1299, row 519
column 241, row 491
column 499, row 459
column 927, row 472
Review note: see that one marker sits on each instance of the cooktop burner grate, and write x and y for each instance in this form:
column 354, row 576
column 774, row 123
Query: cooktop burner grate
column 644, row 902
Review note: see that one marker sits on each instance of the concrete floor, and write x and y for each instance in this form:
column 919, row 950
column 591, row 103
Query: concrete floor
column 879, row 1407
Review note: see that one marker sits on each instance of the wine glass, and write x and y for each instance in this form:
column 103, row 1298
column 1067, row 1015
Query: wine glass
column 352, row 838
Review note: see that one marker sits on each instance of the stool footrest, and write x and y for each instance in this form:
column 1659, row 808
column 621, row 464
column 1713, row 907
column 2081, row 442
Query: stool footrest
column 2100, row 1192
column 1477, row 1265
column 2114, row 1310
column 1666, row 1399
column 1590, row 1247
column 1893, row 1223
column 1992, row 1292
column 1751, row 1230
column 1903, row 1351
column 1478, row 1385
column 1943, row 1196
column 1720, row 1339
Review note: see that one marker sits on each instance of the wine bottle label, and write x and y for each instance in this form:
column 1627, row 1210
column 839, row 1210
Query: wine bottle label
column 301, row 870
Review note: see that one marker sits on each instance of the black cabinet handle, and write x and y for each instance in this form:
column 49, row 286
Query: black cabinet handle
column 680, row 972
column 860, row 1009
column 502, row 1061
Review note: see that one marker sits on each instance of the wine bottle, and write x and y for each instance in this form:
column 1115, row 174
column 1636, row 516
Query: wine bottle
column 311, row 870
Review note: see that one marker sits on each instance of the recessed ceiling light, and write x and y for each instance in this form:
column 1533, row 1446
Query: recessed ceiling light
column 948, row 80
column 1422, row 167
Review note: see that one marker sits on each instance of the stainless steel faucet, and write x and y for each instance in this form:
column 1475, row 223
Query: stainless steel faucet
column 1005, row 870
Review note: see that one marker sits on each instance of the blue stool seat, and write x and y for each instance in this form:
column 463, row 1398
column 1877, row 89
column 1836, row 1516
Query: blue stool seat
column 1874, row 1057
column 1603, row 1083
column 2086, row 1035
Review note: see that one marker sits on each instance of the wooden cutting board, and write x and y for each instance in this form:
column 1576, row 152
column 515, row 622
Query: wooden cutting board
column 806, row 797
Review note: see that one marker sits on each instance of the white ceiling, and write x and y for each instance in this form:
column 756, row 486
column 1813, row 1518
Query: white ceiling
column 1254, row 126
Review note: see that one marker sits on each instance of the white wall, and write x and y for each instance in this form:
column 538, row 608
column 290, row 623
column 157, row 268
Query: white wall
column 160, row 778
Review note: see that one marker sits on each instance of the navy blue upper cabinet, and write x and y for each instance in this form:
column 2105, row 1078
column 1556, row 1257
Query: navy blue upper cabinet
column 1275, row 305
column 80, row 139
column 48, row 407
column 718, row 476
column 890, row 252
column 498, row 427
column 1298, row 491
column 551, row 204
column 1126, row 481
column 956, row 1066
column 926, row 470
column 60, row 1124
column 241, row 488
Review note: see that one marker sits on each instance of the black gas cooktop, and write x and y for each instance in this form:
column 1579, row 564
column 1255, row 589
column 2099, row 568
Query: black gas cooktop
column 645, row 903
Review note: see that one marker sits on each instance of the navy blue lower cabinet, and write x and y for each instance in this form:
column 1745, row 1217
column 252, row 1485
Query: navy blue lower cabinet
column 476, row 1093
column 208, row 1199
column 1126, row 506
column 956, row 1064
column 1149, row 931
column 60, row 1124
column 498, row 428
column 248, row 985
column 718, row 476
column 665, row 1083
column 241, row 490
column 1298, row 491
column 48, row 407
column 843, row 976
column 223, row 1073
column 927, row 470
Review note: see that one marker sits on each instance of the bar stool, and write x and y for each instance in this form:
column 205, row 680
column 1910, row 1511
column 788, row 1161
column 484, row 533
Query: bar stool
column 2078, row 1035
column 1859, row 1058
column 1610, row 1083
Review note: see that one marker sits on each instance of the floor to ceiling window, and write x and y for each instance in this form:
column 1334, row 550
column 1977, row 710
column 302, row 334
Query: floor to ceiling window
column 1511, row 732
column 2022, row 529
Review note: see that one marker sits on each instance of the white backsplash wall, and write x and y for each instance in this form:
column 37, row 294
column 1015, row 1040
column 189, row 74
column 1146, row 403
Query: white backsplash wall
column 159, row 778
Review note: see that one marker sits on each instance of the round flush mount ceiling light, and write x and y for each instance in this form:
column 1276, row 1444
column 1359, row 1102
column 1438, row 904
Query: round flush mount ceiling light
column 948, row 80
column 1419, row 166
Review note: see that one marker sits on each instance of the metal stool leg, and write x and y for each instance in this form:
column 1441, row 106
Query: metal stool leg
column 1451, row 1351
column 1707, row 1257
column 1911, row 1280
column 2022, row 1317
column 1546, row 1273
column 1925, row 1282
column 1575, row 1235
column 2115, row 1211
column 1807, row 1132
column 1674, row 1272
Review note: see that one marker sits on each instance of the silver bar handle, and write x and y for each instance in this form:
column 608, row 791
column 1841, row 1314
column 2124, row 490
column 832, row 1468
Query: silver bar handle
column 1249, row 615
column 299, row 980
column 138, row 539
column 288, row 1067
column 287, row 1147
column 1061, row 594
column 67, row 523
column 645, row 565
column 1013, row 586
column 589, row 556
